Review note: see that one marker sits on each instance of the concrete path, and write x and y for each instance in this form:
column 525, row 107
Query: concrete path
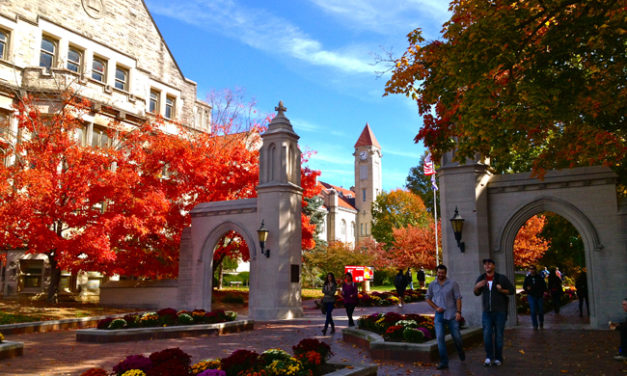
column 564, row 347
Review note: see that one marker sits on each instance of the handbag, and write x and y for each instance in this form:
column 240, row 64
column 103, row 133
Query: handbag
column 323, row 308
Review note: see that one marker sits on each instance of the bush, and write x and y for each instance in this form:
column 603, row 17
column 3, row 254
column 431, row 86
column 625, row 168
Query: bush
column 167, row 316
column 240, row 360
column 133, row 362
column 413, row 335
column 104, row 323
column 394, row 333
column 185, row 319
column 170, row 362
column 132, row 320
column 117, row 324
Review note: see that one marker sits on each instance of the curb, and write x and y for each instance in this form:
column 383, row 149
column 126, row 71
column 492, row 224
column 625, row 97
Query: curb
column 158, row 332
column 52, row 325
column 403, row 351
column 10, row 349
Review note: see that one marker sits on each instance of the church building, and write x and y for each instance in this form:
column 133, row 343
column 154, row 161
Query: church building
column 349, row 211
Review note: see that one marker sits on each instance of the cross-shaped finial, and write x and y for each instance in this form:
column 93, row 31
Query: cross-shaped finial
column 280, row 108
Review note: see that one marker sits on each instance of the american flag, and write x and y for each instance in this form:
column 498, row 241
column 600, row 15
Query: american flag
column 428, row 166
column 434, row 185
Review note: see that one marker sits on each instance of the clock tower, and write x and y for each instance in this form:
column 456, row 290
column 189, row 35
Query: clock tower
column 367, row 181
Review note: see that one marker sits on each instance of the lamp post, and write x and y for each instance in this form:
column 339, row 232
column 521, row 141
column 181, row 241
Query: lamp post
column 262, row 233
column 457, row 222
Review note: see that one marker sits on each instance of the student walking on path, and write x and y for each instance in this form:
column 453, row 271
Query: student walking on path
column 493, row 289
column 328, row 289
column 349, row 293
column 535, row 287
column 555, row 287
column 420, row 276
column 400, row 282
column 444, row 297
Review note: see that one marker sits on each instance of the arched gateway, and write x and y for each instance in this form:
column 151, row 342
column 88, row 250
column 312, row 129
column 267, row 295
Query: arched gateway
column 275, row 291
column 494, row 208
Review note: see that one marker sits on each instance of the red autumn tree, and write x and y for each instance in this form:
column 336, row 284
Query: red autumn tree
column 120, row 207
column 529, row 246
column 413, row 246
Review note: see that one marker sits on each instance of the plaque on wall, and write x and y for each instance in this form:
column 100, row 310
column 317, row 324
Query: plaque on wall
column 295, row 274
column 94, row 8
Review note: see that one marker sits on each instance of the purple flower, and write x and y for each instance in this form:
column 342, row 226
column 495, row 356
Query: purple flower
column 426, row 332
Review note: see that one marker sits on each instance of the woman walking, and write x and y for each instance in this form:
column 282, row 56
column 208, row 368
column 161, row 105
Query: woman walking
column 328, row 289
column 349, row 293
column 555, row 287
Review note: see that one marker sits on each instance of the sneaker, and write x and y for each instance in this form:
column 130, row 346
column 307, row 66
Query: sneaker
column 620, row 357
column 441, row 366
column 541, row 325
column 487, row 362
column 497, row 363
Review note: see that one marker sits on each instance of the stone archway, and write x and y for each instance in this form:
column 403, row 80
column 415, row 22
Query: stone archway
column 565, row 209
column 496, row 206
column 274, row 289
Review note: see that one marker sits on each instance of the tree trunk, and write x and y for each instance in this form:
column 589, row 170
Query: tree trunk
column 55, row 277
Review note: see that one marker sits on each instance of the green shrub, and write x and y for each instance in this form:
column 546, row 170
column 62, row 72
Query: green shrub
column 185, row 319
column 117, row 324
column 413, row 335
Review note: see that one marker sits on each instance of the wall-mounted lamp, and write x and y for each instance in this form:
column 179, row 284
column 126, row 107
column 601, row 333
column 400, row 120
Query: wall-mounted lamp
column 263, row 236
column 458, row 224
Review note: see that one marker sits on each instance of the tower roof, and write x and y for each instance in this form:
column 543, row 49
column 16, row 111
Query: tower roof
column 367, row 138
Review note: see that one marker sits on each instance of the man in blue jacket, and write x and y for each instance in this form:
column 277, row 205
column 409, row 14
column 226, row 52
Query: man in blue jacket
column 493, row 288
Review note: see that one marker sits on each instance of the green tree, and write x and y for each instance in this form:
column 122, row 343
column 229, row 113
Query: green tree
column 420, row 184
column 538, row 83
column 396, row 209
column 334, row 257
column 566, row 250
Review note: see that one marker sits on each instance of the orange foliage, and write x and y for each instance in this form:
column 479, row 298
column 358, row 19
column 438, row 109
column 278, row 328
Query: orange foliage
column 529, row 247
column 413, row 246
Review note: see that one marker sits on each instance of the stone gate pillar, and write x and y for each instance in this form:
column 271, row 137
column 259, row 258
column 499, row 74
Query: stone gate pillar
column 275, row 280
column 464, row 186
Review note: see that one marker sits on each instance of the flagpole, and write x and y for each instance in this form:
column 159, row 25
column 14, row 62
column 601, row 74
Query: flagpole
column 435, row 216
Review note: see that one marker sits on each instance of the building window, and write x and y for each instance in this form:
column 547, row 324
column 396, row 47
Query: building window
column 4, row 41
column 98, row 69
column 363, row 194
column 153, row 105
column 74, row 59
column 169, row 107
column 121, row 78
column 47, row 53
column 361, row 229
column 99, row 137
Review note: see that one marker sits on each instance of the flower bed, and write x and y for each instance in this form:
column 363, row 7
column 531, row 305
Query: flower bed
column 397, row 327
column 166, row 317
column 309, row 359
column 377, row 298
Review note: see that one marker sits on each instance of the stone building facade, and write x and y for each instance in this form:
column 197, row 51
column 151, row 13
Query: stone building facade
column 108, row 51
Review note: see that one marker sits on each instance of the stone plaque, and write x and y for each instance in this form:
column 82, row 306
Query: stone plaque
column 94, row 8
column 295, row 273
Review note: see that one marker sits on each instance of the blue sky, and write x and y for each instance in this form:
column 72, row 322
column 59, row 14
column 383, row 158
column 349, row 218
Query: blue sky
column 318, row 57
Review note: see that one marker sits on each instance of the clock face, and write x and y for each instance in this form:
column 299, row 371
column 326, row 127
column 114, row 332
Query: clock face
column 363, row 155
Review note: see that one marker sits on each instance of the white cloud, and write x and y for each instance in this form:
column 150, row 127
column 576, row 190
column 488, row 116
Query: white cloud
column 259, row 29
column 306, row 126
column 386, row 16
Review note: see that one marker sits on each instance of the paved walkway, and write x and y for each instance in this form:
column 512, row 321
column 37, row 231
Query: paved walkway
column 562, row 348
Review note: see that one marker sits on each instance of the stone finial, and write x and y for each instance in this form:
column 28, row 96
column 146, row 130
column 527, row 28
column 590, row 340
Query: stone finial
column 280, row 108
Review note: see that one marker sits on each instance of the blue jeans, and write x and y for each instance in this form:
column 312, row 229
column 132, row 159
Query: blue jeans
column 453, row 326
column 536, row 306
column 329, row 307
column 493, row 325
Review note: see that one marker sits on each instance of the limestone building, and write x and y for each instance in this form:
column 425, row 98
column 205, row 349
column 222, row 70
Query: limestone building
column 349, row 211
column 108, row 51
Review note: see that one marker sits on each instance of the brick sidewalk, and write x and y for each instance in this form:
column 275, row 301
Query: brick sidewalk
column 553, row 351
